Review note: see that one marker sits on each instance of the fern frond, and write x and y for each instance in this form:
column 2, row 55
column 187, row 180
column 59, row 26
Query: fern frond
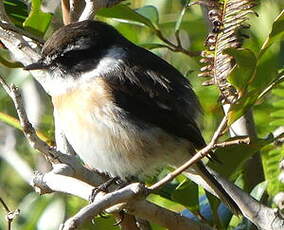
column 228, row 18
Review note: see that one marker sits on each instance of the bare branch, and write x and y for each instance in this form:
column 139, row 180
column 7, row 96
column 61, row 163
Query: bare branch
column 126, row 194
column 198, row 156
column 11, row 215
column 4, row 205
column 65, row 7
column 130, row 198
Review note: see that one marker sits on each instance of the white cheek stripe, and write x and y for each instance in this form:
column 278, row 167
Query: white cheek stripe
column 58, row 84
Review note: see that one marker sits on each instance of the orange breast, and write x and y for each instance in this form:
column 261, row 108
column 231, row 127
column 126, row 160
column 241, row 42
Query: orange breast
column 88, row 94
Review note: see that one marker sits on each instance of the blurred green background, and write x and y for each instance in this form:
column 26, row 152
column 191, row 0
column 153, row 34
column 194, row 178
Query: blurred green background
column 181, row 195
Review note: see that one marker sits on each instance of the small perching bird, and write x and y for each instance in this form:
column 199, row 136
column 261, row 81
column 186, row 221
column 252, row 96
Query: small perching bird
column 125, row 111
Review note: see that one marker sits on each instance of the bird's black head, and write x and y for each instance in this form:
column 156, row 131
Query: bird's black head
column 77, row 46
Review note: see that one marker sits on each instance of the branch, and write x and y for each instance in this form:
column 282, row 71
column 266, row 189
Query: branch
column 126, row 194
column 176, row 47
column 80, row 10
column 198, row 156
column 131, row 195
column 55, row 182
column 11, row 215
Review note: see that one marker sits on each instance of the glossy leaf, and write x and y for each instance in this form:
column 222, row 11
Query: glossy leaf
column 126, row 14
column 180, row 17
column 276, row 34
column 271, row 158
column 244, row 70
column 242, row 75
column 233, row 157
column 17, row 11
column 187, row 194
column 151, row 46
column 149, row 12
column 259, row 190
column 278, row 113
column 264, row 74
column 36, row 16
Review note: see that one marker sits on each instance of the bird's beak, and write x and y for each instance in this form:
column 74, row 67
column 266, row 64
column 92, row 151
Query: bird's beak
column 40, row 65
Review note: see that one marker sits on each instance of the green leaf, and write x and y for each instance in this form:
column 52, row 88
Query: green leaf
column 278, row 104
column 278, row 113
column 151, row 46
column 244, row 71
column 271, row 158
column 259, row 190
column 277, row 123
column 187, row 194
column 16, row 10
column 233, row 157
column 6, row 118
column 37, row 21
column 166, row 203
column 180, row 17
column 240, row 77
column 149, row 12
column 126, row 14
column 278, row 92
column 12, row 121
column 265, row 73
column 214, row 204
column 276, row 34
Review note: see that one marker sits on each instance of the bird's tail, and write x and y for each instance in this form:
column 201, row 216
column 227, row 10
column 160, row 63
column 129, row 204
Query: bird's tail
column 211, row 182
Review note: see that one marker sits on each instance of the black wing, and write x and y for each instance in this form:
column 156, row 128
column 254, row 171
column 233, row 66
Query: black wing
column 153, row 91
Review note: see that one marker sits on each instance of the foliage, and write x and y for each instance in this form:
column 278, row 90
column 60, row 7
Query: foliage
column 256, row 71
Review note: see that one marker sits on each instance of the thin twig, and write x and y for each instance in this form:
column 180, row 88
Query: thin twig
column 11, row 215
column 198, row 156
column 4, row 205
column 176, row 48
column 272, row 85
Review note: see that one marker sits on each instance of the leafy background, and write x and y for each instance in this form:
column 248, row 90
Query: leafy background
column 141, row 21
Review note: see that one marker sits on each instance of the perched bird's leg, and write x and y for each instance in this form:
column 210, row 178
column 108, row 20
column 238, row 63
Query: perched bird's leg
column 102, row 188
column 121, row 218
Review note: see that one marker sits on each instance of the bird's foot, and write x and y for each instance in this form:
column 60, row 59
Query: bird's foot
column 121, row 218
column 102, row 188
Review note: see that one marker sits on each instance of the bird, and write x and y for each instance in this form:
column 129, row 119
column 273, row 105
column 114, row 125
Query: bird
column 125, row 111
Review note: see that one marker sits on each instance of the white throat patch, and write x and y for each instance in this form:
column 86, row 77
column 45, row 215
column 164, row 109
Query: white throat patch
column 57, row 84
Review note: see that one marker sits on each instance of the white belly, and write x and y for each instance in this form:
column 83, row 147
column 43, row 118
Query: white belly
column 99, row 133
column 120, row 148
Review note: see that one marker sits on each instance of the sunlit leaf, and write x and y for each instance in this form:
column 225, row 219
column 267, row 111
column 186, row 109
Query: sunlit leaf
column 271, row 158
column 36, row 15
column 259, row 190
column 149, row 12
column 244, row 71
column 180, row 17
column 264, row 74
column 276, row 34
column 278, row 113
column 12, row 121
column 152, row 45
column 126, row 14
column 277, row 123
